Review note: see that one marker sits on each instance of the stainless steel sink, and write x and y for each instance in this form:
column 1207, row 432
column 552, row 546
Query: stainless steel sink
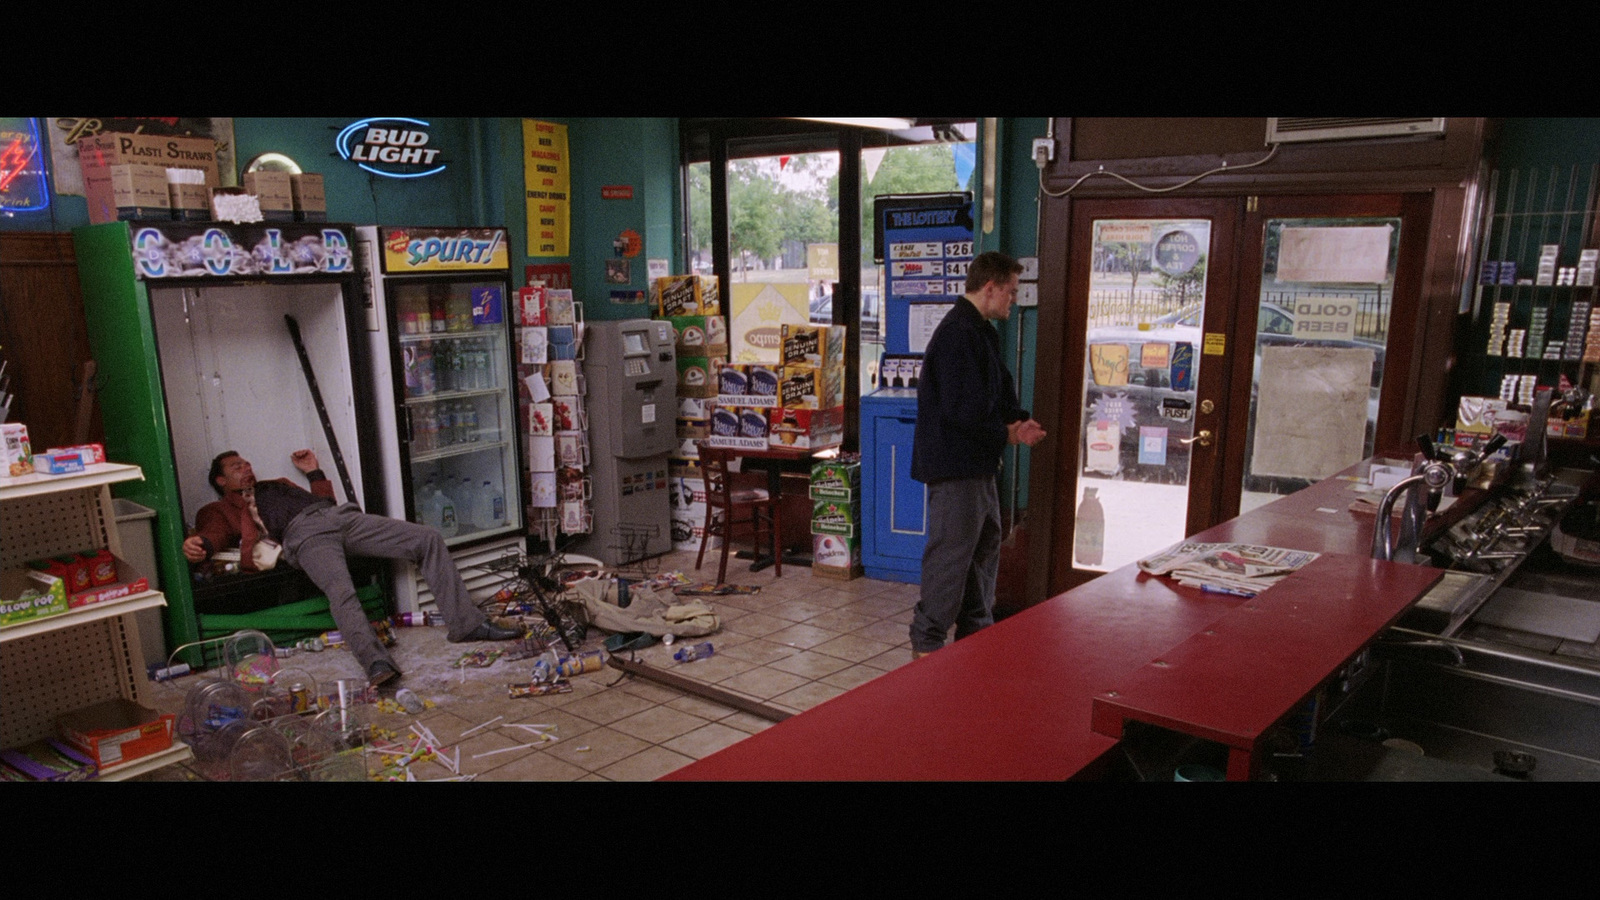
column 1462, row 715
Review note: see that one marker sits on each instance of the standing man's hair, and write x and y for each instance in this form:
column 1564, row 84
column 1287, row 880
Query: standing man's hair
column 216, row 469
column 990, row 266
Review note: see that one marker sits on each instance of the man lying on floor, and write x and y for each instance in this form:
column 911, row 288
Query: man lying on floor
column 314, row 535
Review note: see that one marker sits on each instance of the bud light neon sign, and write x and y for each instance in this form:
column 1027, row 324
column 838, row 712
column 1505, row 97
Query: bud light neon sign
column 391, row 147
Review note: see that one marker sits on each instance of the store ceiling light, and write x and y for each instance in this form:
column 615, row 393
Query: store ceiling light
column 882, row 124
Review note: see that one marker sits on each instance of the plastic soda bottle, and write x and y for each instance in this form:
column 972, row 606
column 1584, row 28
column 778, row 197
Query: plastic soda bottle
column 694, row 651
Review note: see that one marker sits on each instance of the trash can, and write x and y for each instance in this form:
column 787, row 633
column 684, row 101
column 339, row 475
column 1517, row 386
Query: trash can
column 136, row 529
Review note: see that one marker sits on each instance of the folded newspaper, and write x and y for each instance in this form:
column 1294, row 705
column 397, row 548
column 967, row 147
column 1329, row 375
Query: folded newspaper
column 1242, row 569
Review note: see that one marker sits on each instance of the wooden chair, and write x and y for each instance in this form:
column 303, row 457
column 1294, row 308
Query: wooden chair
column 730, row 508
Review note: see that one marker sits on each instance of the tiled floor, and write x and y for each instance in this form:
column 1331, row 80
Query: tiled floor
column 798, row 642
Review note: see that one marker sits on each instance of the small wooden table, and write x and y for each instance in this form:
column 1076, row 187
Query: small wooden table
column 772, row 459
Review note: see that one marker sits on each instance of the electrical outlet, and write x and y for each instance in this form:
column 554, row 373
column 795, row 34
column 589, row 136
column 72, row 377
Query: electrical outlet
column 1044, row 150
column 1028, row 294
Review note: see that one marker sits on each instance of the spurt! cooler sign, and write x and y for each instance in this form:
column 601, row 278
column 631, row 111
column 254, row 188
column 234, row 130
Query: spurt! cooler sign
column 395, row 148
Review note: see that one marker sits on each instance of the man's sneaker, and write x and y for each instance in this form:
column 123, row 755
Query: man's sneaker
column 489, row 631
column 381, row 672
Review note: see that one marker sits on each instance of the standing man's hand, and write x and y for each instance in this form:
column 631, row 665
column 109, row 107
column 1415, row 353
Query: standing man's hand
column 1025, row 432
column 304, row 460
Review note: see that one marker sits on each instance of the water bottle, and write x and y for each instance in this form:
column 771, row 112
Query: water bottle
column 471, row 421
column 693, row 652
column 448, row 525
column 408, row 699
column 426, row 383
column 459, row 361
column 492, row 505
column 482, row 379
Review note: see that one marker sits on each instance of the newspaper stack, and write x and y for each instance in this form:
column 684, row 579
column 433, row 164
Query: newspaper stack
column 1243, row 570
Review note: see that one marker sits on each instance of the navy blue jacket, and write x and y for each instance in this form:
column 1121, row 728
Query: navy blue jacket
column 965, row 400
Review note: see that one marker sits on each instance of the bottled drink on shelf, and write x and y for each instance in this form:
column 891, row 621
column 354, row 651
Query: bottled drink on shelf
column 1089, row 540
column 471, row 413
column 424, row 363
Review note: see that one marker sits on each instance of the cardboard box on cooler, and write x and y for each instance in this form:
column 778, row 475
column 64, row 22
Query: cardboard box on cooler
column 275, row 193
column 127, row 191
column 98, row 153
column 310, row 200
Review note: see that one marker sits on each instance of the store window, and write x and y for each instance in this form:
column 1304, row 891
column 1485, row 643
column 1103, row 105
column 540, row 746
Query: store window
column 769, row 197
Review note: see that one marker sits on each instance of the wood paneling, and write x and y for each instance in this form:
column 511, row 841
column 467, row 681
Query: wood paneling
column 43, row 335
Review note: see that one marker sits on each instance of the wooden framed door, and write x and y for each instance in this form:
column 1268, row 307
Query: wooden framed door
column 1284, row 301
column 1329, row 292
column 1144, row 379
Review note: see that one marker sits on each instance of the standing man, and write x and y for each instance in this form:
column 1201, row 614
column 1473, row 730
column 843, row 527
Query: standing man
column 967, row 413
column 316, row 534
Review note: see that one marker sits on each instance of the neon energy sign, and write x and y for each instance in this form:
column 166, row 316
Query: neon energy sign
column 391, row 147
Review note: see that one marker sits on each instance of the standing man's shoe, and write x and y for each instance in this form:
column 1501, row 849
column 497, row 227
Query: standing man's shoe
column 381, row 672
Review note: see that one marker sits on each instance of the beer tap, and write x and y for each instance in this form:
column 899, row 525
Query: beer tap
column 1440, row 466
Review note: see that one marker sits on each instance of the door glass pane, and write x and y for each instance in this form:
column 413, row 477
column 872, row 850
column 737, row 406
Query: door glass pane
column 783, row 239
column 1146, row 307
column 1322, row 324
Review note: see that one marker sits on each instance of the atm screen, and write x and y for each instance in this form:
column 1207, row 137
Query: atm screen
column 633, row 344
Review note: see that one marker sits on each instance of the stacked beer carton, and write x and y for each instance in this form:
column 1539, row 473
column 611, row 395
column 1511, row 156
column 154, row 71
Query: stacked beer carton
column 795, row 401
column 836, row 518
column 692, row 303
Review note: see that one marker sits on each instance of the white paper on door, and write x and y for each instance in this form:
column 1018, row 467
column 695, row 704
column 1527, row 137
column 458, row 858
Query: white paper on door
column 1311, row 412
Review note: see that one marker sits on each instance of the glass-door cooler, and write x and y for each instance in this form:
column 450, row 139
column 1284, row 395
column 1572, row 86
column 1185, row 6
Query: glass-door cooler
column 441, row 334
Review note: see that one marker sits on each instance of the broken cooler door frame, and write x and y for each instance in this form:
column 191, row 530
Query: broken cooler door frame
column 401, row 267
column 186, row 324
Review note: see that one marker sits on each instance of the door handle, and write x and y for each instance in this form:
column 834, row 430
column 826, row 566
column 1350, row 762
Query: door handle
column 1204, row 438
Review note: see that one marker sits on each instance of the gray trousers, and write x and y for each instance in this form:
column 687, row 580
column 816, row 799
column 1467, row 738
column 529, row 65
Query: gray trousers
column 317, row 541
column 959, row 562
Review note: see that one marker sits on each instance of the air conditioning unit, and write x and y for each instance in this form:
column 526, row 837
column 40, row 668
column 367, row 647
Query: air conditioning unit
column 1304, row 129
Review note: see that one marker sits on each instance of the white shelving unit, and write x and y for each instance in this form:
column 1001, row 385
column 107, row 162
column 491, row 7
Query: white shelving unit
column 61, row 663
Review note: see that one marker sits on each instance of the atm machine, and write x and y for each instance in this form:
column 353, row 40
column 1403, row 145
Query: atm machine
column 632, row 399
